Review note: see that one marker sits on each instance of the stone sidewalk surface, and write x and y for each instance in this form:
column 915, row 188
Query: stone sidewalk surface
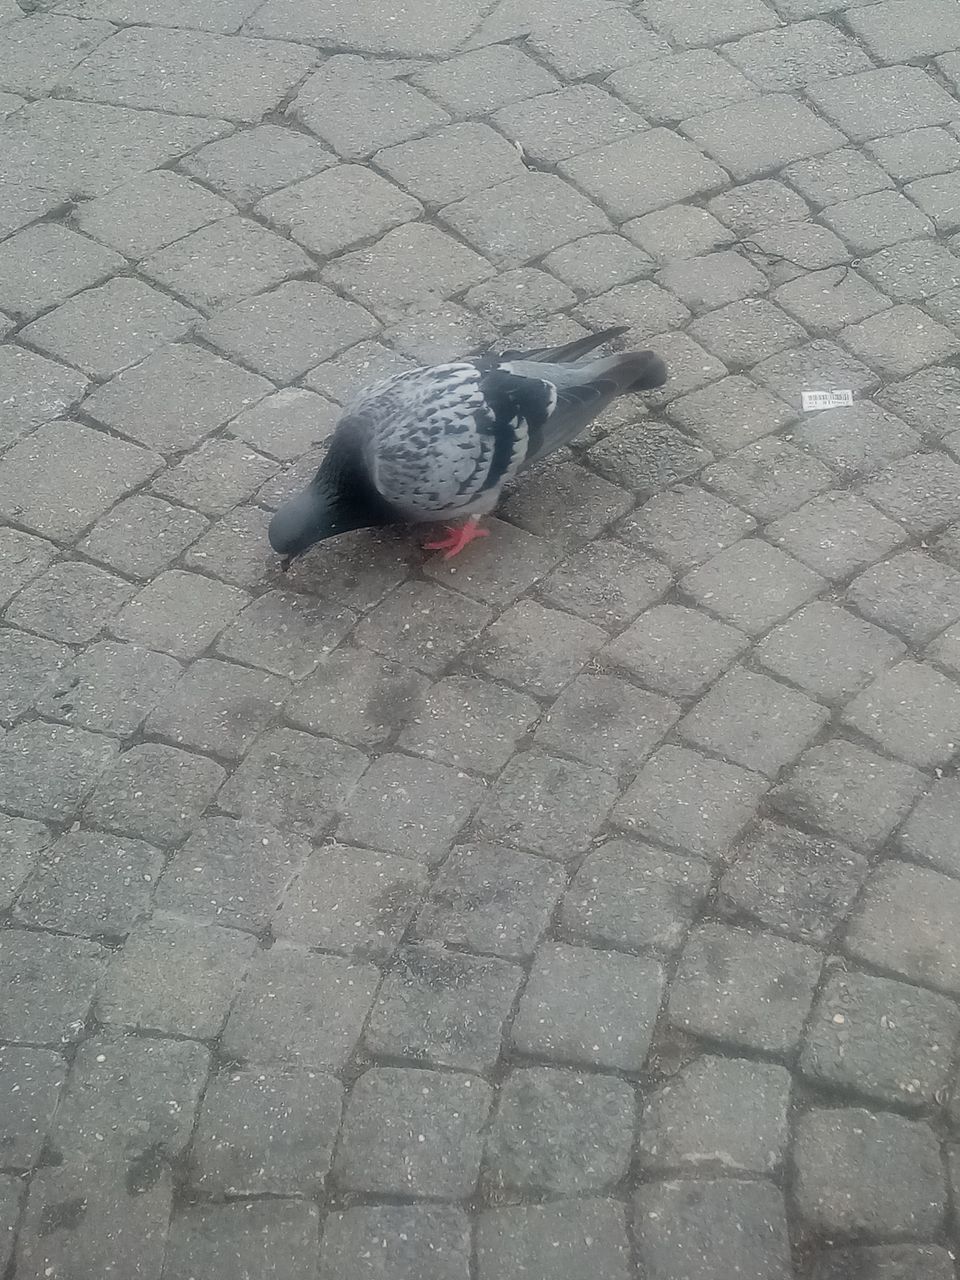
column 588, row 906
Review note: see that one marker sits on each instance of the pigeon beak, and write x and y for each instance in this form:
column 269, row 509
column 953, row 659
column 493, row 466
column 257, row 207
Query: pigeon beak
column 285, row 563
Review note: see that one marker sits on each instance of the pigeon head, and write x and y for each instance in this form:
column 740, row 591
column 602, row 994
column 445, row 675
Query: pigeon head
column 316, row 513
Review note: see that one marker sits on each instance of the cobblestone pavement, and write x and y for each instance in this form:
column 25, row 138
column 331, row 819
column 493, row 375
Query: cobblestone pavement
column 586, row 907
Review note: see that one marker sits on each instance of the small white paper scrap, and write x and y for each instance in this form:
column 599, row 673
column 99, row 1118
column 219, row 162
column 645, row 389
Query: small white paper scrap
column 816, row 400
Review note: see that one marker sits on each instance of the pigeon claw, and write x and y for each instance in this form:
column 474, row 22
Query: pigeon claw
column 456, row 538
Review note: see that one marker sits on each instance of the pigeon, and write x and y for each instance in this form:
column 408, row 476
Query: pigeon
column 439, row 443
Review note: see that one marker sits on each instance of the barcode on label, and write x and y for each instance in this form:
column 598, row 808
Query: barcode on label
column 814, row 400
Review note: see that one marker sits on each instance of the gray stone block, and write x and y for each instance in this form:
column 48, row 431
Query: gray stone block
column 688, row 24
column 606, row 584
column 559, row 125
column 37, row 54
column 910, row 711
column 150, row 212
column 839, row 175
column 30, row 1084
column 286, row 633
column 155, row 793
column 179, row 613
column 416, row 1242
column 885, row 1262
column 423, row 626
column 48, row 770
column 790, row 59
column 874, row 103
column 937, row 197
column 892, row 35
column 45, row 264
column 478, row 82
column 912, row 594
column 34, row 390
column 70, row 602
column 745, row 332
column 828, row 652
column 565, row 502
column 469, row 723
column 812, row 367
column 670, row 89
column 825, row 301
column 252, row 1237
column 218, row 707
column 215, row 477
column 538, row 650
column 606, row 722
column 929, row 834
column 926, row 400
column 110, row 688
column 21, row 843
column 919, row 153
column 836, row 534
column 650, row 460
column 28, row 666
column 751, row 138
column 768, row 478
column 857, row 440
column 358, row 697
column 597, row 43
column 560, row 1241
column 48, row 986
column 686, row 525
column 597, row 263
column 900, row 341
column 676, row 651
column 752, row 585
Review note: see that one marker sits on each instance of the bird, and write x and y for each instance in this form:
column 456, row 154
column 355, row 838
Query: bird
column 438, row 444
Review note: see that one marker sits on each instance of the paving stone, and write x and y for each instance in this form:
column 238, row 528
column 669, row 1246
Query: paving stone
column 784, row 252
column 690, row 802
column 606, row 584
column 911, row 711
column 284, row 333
column 810, row 368
column 37, row 54
column 175, row 977
column 747, row 331
column 753, row 721
column 839, row 175
column 697, row 1119
column 225, row 262
column 106, row 329
column 490, row 899
column 294, row 781
column 91, row 884
column 106, row 1225
column 927, row 400
column 828, row 652
column 643, row 305
column 180, row 613
column 752, row 585
column 357, row 109
column 606, row 722
column 712, row 281
column 677, row 651
column 750, row 990
column 286, row 633
column 352, row 901
column 793, row 57
column 43, row 265
column 338, row 208
column 231, row 873
column 367, row 362
column 565, row 502
column 358, row 697
column 596, row 263
column 687, row 24
column 443, row 332
column 130, row 1102
column 300, row 1008
column 251, row 163
column 34, row 390
column 547, row 806
column 685, row 525
column 867, row 1174
column 237, row 545
column 884, row 1039
column 22, row 557
column 70, row 602
column 539, row 650
column 670, row 89
column 218, row 707
column 857, row 440
column 848, row 792
column 937, row 197
column 884, row 932
column 751, row 138
column 413, row 1133
column 501, row 569
column 900, row 341
column 215, row 477
column 480, row 81
column 893, row 35
column 675, row 171
column 423, row 626
column 730, row 413
column 874, row 103
column 244, row 1238
column 154, row 792
column 442, row 1009
column 885, row 1262
column 450, row 164
column 267, row 1130
column 681, row 231
column 769, row 478
column 633, row 897
column 825, row 301
column 411, row 807
column 928, row 834
column 64, row 476
column 70, row 149
column 577, row 1002
column 560, row 1132
column 526, row 218
column 946, row 308
column 150, row 212
column 710, row 1229
column 28, row 666
column 142, row 535
column 597, row 43
column 287, row 423
column 559, row 125
column 30, row 1085
column 413, row 1242
column 21, row 843
column 561, row 1241
column 192, row 73
column 420, row 32
column 912, row 594
column 48, row 986
column 49, row 769
column 691, row 367
column 110, row 688
column 919, row 153
column 649, row 460
column 175, row 397
column 837, row 534
column 469, row 723
column 24, row 204
column 792, row 883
